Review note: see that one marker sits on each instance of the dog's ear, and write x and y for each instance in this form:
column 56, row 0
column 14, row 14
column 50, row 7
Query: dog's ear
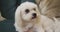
column 18, row 19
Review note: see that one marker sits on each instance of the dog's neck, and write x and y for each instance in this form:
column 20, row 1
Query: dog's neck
column 25, row 23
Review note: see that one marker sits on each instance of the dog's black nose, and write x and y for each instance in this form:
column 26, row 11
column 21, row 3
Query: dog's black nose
column 34, row 15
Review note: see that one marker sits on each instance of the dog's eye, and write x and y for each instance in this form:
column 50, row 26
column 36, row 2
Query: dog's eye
column 27, row 10
column 34, row 9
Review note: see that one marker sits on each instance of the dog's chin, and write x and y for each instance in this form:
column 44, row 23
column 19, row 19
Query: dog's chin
column 29, row 19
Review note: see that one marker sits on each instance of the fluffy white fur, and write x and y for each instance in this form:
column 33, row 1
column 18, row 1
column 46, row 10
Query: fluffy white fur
column 24, row 21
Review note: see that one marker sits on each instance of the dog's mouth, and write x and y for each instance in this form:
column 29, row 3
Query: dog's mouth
column 33, row 17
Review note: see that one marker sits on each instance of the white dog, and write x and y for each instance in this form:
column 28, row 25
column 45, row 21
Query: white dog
column 27, row 16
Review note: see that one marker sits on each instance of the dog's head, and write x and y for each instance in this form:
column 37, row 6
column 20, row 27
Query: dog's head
column 27, row 11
